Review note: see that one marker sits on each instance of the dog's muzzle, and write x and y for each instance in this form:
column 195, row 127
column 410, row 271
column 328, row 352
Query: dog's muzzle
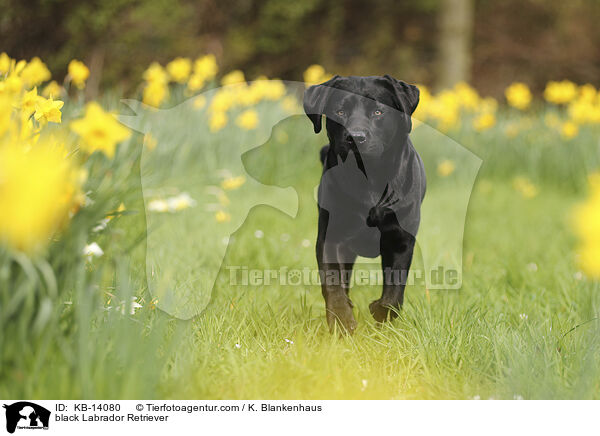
column 357, row 136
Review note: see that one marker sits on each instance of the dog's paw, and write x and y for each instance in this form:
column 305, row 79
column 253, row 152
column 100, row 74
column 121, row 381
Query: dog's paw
column 339, row 314
column 383, row 311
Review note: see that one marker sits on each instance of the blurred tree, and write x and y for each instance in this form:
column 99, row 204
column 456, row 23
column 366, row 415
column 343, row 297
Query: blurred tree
column 455, row 42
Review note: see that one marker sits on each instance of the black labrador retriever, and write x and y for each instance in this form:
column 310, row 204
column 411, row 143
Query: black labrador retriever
column 371, row 190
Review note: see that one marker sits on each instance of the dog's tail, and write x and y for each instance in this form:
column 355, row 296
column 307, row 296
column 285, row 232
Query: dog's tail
column 323, row 153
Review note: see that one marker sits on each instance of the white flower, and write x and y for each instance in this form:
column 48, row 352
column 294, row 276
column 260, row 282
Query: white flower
column 532, row 267
column 289, row 341
column 523, row 316
column 121, row 307
column 306, row 243
column 93, row 250
column 101, row 225
column 180, row 202
column 238, row 346
column 158, row 206
column 134, row 305
column 285, row 237
column 259, row 234
column 365, row 383
column 578, row 275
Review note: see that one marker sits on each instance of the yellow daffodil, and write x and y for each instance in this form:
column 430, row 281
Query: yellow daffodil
column 232, row 183
column 445, row 168
column 5, row 114
column 38, row 188
column 179, row 69
column 588, row 93
column 78, row 72
column 222, row 216
column 223, row 100
column 518, row 95
column 560, row 92
column 468, row 98
column 263, row 88
column 206, row 67
column 13, row 84
column 17, row 67
column 584, row 111
column 273, row 89
column 196, row 82
column 421, row 113
column 48, row 110
column 233, row 77
column 156, row 73
column 445, row 109
column 248, row 119
column 4, row 63
column 29, row 102
column 52, row 90
column 155, row 93
column 35, row 72
column 484, row 121
column 315, row 74
column 99, row 130
column 217, row 121
column 586, row 224
column 569, row 130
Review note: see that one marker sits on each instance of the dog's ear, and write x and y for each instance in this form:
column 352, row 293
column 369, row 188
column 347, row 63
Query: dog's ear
column 315, row 99
column 405, row 95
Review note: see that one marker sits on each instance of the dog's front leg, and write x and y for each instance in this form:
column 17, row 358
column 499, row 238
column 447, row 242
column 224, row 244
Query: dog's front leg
column 335, row 271
column 396, row 255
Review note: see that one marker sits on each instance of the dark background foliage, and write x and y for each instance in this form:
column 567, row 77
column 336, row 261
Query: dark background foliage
column 506, row 40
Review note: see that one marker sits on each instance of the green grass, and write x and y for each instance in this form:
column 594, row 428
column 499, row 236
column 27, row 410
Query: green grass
column 522, row 325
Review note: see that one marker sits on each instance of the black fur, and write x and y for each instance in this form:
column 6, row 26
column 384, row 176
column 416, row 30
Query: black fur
column 371, row 190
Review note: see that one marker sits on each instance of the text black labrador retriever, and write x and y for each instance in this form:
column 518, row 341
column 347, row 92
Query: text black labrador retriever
column 371, row 189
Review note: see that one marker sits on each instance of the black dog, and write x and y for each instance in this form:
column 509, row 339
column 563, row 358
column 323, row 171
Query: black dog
column 371, row 189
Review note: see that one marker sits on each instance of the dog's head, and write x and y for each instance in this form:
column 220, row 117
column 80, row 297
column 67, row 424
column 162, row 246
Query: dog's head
column 365, row 114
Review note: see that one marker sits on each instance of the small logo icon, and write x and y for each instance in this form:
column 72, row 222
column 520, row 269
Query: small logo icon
column 26, row 415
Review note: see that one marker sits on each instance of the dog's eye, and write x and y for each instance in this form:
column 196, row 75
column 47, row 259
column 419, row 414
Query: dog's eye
column 341, row 113
column 377, row 112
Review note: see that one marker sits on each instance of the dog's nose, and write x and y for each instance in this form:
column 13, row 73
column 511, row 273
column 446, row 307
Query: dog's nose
column 359, row 137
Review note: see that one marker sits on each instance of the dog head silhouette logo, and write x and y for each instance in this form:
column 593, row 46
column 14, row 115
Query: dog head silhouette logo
column 25, row 414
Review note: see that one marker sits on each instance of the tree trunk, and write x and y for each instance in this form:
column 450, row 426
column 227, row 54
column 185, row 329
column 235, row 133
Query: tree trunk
column 454, row 46
column 96, row 63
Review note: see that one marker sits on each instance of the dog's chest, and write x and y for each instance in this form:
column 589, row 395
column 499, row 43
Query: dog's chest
column 348, row 208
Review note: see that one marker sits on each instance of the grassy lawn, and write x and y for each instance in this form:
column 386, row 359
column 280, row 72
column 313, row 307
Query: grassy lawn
column 523, row 325
column 506, row 333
